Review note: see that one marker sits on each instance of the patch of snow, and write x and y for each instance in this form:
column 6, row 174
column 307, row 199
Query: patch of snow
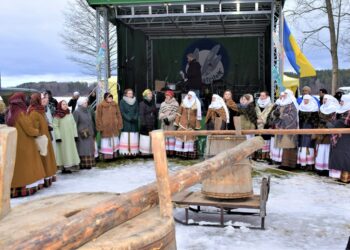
column 303, row 212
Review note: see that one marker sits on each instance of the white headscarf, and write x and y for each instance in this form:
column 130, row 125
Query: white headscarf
column 331, row 105
column 346, row 104
column 312, row 106
column 290, row 98
column 189, row 103
column 264, row 103
column 81, row 101
column 218, row 104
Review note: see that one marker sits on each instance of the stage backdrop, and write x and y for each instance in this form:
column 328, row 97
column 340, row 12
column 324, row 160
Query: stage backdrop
column 233, row 60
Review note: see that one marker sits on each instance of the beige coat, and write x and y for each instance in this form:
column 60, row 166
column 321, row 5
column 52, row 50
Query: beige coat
column 28, row 166
column 262, row 116
column 186, row 120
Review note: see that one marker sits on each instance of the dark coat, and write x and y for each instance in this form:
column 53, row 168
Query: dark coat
column 307, row 120
column 130, row 114
column 194, row 75
column 340, row 153
column 83, row 119
column 148, row 116
column 72, row 103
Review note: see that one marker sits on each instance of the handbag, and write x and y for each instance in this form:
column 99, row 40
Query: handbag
column 84, row 133
column 42, row 142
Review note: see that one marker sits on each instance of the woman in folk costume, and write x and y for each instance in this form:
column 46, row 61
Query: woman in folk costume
column 308, row 118
column 167, row 115
column 29, row 172
column 66, row 135
column 218, row 115
column 339, row 162
column 327, row 112
column 109, row 122
column 247, row 113
column 232, row 108
column 37, row 114
column 286, row 114
column 86, row 134
column 148, row 118
column 188, row 118
column 263, row 109
column 275, row 152
column 129, row 137
column 49, row 119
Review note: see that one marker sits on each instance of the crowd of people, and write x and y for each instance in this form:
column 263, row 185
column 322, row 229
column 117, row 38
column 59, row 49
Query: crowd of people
column 51, row 137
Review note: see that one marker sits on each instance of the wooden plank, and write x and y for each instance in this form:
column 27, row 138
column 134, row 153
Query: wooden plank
column 198, row 199
column 90, row 223
column 260, row 132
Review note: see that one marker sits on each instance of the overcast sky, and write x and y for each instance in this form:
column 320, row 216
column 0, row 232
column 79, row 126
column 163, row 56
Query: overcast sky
column 31, row 49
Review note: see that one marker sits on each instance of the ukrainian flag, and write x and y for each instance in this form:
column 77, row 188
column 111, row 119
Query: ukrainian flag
column 296, row 58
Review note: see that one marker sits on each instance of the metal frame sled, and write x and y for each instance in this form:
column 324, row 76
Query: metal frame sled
column 257, row 202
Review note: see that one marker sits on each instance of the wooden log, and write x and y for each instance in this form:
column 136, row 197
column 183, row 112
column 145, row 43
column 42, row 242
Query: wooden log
column 324, row 131
column 161, row 166
column 86, row 225
column 8, row 142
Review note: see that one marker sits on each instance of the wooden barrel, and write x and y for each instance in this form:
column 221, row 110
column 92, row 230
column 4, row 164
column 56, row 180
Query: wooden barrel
column 219, row 143
column 230, row 183
column 147, row 231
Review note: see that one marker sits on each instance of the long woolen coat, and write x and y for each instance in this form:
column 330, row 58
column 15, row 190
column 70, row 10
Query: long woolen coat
column 186, row 119
column 130, row 114
column 83, row 119
column 108, row 119
column 49, row 161
column 168, row 109
column 66, row 130
column 148, row 117
column 28, row 165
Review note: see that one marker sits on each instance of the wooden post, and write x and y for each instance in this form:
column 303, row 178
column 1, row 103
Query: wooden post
column 8, row 143
column 161, row 166
column 237, row 123
column 86, row 225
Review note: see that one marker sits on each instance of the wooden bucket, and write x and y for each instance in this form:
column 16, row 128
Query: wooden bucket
column 230, row 183
column 147, row 231
column 219, row 143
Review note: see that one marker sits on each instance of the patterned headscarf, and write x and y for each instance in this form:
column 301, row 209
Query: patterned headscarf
column 60, row 113
column 35, row 104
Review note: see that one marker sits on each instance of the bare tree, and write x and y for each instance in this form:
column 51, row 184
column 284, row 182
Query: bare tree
column 323, row 24
column 79, row 36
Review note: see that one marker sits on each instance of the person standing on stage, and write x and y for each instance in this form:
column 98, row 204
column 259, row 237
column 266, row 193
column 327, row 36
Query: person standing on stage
column 193, row 75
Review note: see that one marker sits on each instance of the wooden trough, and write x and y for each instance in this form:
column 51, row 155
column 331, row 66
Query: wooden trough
column 132, row 220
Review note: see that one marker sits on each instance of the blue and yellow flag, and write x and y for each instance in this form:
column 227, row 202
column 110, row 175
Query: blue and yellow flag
column 296, row 58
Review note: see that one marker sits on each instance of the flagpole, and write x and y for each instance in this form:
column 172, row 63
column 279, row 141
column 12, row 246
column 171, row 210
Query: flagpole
column 281, row 54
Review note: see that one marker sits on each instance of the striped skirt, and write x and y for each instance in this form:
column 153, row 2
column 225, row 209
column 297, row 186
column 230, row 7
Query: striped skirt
column 322, row 158
column 306, row 156
column 275, row 153
column 87, row 162
column 145, row 145
column 170, row 143
column 28, row 190
column 129, row 143
column 109, row 147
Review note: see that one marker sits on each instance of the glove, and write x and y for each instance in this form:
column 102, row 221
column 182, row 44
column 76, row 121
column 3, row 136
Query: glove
column 50, row 128
column 166, row 121
column 58, row 140
column 76, row 139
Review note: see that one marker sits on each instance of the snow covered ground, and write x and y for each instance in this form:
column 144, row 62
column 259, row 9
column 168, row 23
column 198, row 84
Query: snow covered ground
column 304, row 212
